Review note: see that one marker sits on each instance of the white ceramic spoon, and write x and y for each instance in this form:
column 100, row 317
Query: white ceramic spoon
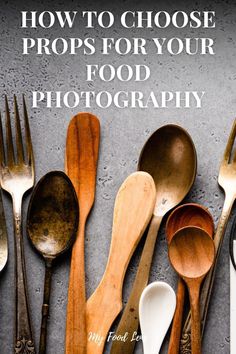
column 156, row 310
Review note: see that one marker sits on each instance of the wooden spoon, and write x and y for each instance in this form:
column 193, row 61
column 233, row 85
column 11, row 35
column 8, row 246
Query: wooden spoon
column 81, row 163
column 170, row 157
column 52, row 222
column 133, row 209
column 190, row 214
column 192, row 254
column 185, row 215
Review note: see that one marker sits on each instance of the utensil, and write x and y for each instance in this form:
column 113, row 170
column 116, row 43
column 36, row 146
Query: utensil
column 156, row 310
column 232, row 303
column 82, row 146
column 232, row 250
column 52, row 222
column 231, row 243
column 192, row 253
column 170, row 157
column 17, row 177
column 190, row 214
column 3, row 235
column 133, row 209
column 227, row 180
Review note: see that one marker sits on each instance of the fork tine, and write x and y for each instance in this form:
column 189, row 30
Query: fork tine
column 2, row 155
column 29, row 152
column 230, row 143
column 19, row 144
column 9, row 142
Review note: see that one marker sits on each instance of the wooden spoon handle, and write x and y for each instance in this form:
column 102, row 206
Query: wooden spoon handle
column 130, row 319
column 194, row 291
column 133, row 209
column 177, row 321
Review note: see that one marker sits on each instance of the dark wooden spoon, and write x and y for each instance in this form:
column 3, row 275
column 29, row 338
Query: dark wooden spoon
column 52, row 223
column 192, row 254
column 190, row 214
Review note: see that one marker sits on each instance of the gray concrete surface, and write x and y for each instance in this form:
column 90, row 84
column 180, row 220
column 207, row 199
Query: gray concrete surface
column 123, row 133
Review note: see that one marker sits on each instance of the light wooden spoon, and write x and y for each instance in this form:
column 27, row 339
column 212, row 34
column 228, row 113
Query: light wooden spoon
column 133, row 210
column 192, row 254
column 81, row 163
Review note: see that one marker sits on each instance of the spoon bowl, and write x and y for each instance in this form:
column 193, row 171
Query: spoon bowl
column 53, row 215
column 170, row 157
column 52, row 223
column 191, row 252
column 190, row 214
column 156, row 310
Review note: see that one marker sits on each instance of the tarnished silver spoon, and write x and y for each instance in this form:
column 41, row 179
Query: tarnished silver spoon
column 52, row 223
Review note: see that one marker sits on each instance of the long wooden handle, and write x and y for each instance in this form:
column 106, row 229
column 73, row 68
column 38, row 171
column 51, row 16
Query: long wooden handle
column 196, row 320
column 102, row 309
column 185, row 346
column 130, row 318
column 177, row 321
column 133, row 210
column 76, row 337
column 82, row 147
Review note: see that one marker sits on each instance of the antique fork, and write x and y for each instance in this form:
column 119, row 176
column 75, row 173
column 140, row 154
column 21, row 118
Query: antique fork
column 227, row 180
column 17, row 177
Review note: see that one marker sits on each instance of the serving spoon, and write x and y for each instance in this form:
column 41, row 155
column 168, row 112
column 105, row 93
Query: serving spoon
column 192, row 254
column 169, row 156
column 156, row 310
column 52, row 222
column 190, row 214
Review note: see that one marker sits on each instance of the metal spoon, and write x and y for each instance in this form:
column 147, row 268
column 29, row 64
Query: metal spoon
column 156, row 310
column 192, row 254
column 190, row 214
column 170, row 157
column 52, row 223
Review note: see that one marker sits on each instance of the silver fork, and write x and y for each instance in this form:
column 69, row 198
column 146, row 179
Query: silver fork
column 227, row 180
column 17, row 177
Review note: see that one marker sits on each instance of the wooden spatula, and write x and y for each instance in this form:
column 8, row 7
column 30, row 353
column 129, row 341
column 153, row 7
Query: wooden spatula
column 81, row 163
column 133, row 209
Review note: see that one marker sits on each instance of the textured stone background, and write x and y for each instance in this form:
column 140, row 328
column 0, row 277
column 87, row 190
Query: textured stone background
column 123, row 135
